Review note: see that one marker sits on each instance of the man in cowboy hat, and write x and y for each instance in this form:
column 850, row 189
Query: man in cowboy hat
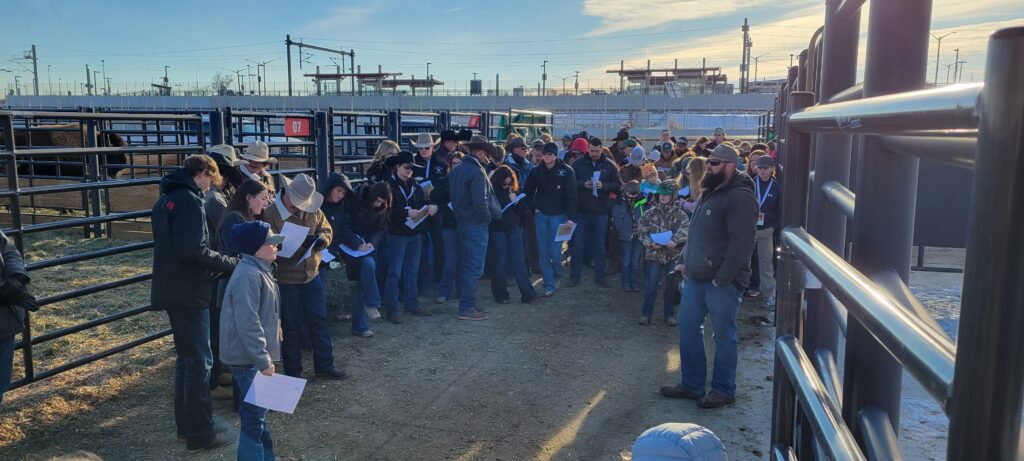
column 257, row 160
column 427, row 170
column 475, row 206
column 303, row 299
column 449, row 143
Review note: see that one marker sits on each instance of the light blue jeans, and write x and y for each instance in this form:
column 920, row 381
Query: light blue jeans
column 549, row 250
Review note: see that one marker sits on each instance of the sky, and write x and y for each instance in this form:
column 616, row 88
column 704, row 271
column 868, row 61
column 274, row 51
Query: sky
column 132, row 41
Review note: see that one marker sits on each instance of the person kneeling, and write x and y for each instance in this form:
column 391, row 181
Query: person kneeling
column 249, row 329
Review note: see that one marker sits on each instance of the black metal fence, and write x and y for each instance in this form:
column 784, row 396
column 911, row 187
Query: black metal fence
column 893, row 122
column 99, row 171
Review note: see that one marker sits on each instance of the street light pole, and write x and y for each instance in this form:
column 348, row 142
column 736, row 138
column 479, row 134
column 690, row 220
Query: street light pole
column 544, row 79
column 938, row 49
column 49, row 82
column 755, row 64
column 577, row 84
column 430, row 79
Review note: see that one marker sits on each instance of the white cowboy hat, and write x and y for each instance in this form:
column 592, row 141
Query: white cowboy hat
column 258, row 151
column 301, row 191
column 424, row 140
column 227, row 152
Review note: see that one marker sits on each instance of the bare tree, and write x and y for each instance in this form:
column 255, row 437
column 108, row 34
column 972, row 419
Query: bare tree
column 222, row 84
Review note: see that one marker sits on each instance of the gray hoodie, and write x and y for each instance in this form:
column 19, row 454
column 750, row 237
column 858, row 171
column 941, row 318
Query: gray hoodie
column 250, row 315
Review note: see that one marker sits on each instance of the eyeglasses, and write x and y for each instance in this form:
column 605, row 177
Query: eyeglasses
column 716, row 162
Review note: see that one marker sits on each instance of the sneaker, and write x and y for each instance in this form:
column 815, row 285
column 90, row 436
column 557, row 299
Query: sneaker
column 441, row 300
column 671, row 321
column 768, row 303
column 334, row 374
column 222, row 393
column 218, row 440
column 395, row 317
column 714, row 400
column 365, row 334
column 752, row 293
column 676, row 392
column 548, row 294
column 644, row 320
column 343, row 317
column 474, row 315
column 481, row 309
column 373, row 313
column 218, row 426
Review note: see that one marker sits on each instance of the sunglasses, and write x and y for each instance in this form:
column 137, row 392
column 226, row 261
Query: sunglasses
column 716, row 162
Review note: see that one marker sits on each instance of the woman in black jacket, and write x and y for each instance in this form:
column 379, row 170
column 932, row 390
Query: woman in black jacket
column 507, row 238
column 404, row 240
column 441, row 197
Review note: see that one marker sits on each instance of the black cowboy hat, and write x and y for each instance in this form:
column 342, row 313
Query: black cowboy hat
column 402, row 158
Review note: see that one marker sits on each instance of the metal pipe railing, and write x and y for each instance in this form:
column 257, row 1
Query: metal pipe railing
column 880, row 442
column 828, row 372
column 841, row 197
column 959, row 152
column 925, row 353
column 822, row 414
column 947, row 108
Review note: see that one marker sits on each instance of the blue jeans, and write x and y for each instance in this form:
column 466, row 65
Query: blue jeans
column 6, row 363
column 305, row 307
column 509, row 257
column 254, row 442
column 193, row 412
column 655, row 271
column 549, row 251
column 473, row 242
column 403, row 265
column 700, row 299
column 590, row 238
column 451, row 263
column 632, row 250
column 366, row 293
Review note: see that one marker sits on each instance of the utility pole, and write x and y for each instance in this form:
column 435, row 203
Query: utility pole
column 756, row 59
column 431, row 87
column 790, row 60
column 938, row 49
column 544, row 79
column 288, row 43
column 35, row 68
column 577, row 84
column 103, row 65
column 88, row 80
column 956, row 61
column 167, row 81
column 960, row 70
column 49, row 82
column 745, row 61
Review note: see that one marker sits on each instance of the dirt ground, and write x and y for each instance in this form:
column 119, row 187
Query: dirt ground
column 570, row 377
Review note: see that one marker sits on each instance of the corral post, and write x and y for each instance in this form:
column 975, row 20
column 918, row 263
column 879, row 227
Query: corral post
column 984, row 414
column 216, row 127
column 886, row 197
column 444, row 120
column 323, row 148
column 92, row 174
column 395, row 126
column 789, row 318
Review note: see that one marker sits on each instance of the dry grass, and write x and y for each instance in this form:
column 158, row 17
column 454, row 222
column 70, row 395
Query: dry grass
column 43, row 404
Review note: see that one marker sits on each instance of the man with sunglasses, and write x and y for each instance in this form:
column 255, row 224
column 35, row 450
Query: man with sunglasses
column 427, row 171
column 716, row 264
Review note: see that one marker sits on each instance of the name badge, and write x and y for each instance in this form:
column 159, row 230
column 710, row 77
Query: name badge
column 760, row 219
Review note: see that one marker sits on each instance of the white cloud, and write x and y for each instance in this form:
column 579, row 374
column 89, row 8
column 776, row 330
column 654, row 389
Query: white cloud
column 341, row 18
column 620, row 15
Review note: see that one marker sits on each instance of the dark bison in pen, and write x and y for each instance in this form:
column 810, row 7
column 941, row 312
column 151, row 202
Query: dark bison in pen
column 70, row 135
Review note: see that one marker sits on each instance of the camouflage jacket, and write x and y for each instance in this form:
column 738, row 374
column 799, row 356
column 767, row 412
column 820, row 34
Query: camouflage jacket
column 661, row 218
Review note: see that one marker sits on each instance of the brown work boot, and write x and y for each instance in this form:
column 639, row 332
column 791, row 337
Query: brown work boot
column 714, row 400
column 222, row 393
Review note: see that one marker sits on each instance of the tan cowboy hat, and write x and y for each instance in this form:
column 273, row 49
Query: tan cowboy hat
column 258, row 151
column 301, row 191
column 480, row 142
column 224, row 154
column 424, row 140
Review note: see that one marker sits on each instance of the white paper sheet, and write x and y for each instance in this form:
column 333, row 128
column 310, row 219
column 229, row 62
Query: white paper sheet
column 662, row 238
column 305, row 256
column 326, row 256
column 279, row 392
column 354, row 252
column 594, row 180
column 423, row 216
column 513, row 202
column 294, row 235
column 427, row 187
column 684, row 191
column 565, row 231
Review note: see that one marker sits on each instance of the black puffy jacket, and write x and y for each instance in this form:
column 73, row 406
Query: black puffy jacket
column 184, row 266
column 552, row 191
column 12, row 316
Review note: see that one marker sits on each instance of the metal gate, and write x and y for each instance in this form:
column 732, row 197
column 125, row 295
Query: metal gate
column 978, row 382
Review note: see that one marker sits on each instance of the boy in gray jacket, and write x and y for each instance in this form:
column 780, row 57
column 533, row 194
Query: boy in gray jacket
column 249, row 329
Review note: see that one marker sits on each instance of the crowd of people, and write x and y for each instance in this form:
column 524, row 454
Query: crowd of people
column 691, row 218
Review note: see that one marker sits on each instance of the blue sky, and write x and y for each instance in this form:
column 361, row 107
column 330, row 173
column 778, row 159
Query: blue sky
column 135, row 40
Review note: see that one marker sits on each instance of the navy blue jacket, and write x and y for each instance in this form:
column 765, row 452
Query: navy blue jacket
column 472, row 196
column 772, row 206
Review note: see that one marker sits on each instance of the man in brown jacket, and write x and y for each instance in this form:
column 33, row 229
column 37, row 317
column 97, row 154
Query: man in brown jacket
column 303, row 300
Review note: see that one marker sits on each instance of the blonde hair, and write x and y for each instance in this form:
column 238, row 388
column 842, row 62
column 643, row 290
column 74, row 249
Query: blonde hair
column 695, row 171
column 384, row 150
